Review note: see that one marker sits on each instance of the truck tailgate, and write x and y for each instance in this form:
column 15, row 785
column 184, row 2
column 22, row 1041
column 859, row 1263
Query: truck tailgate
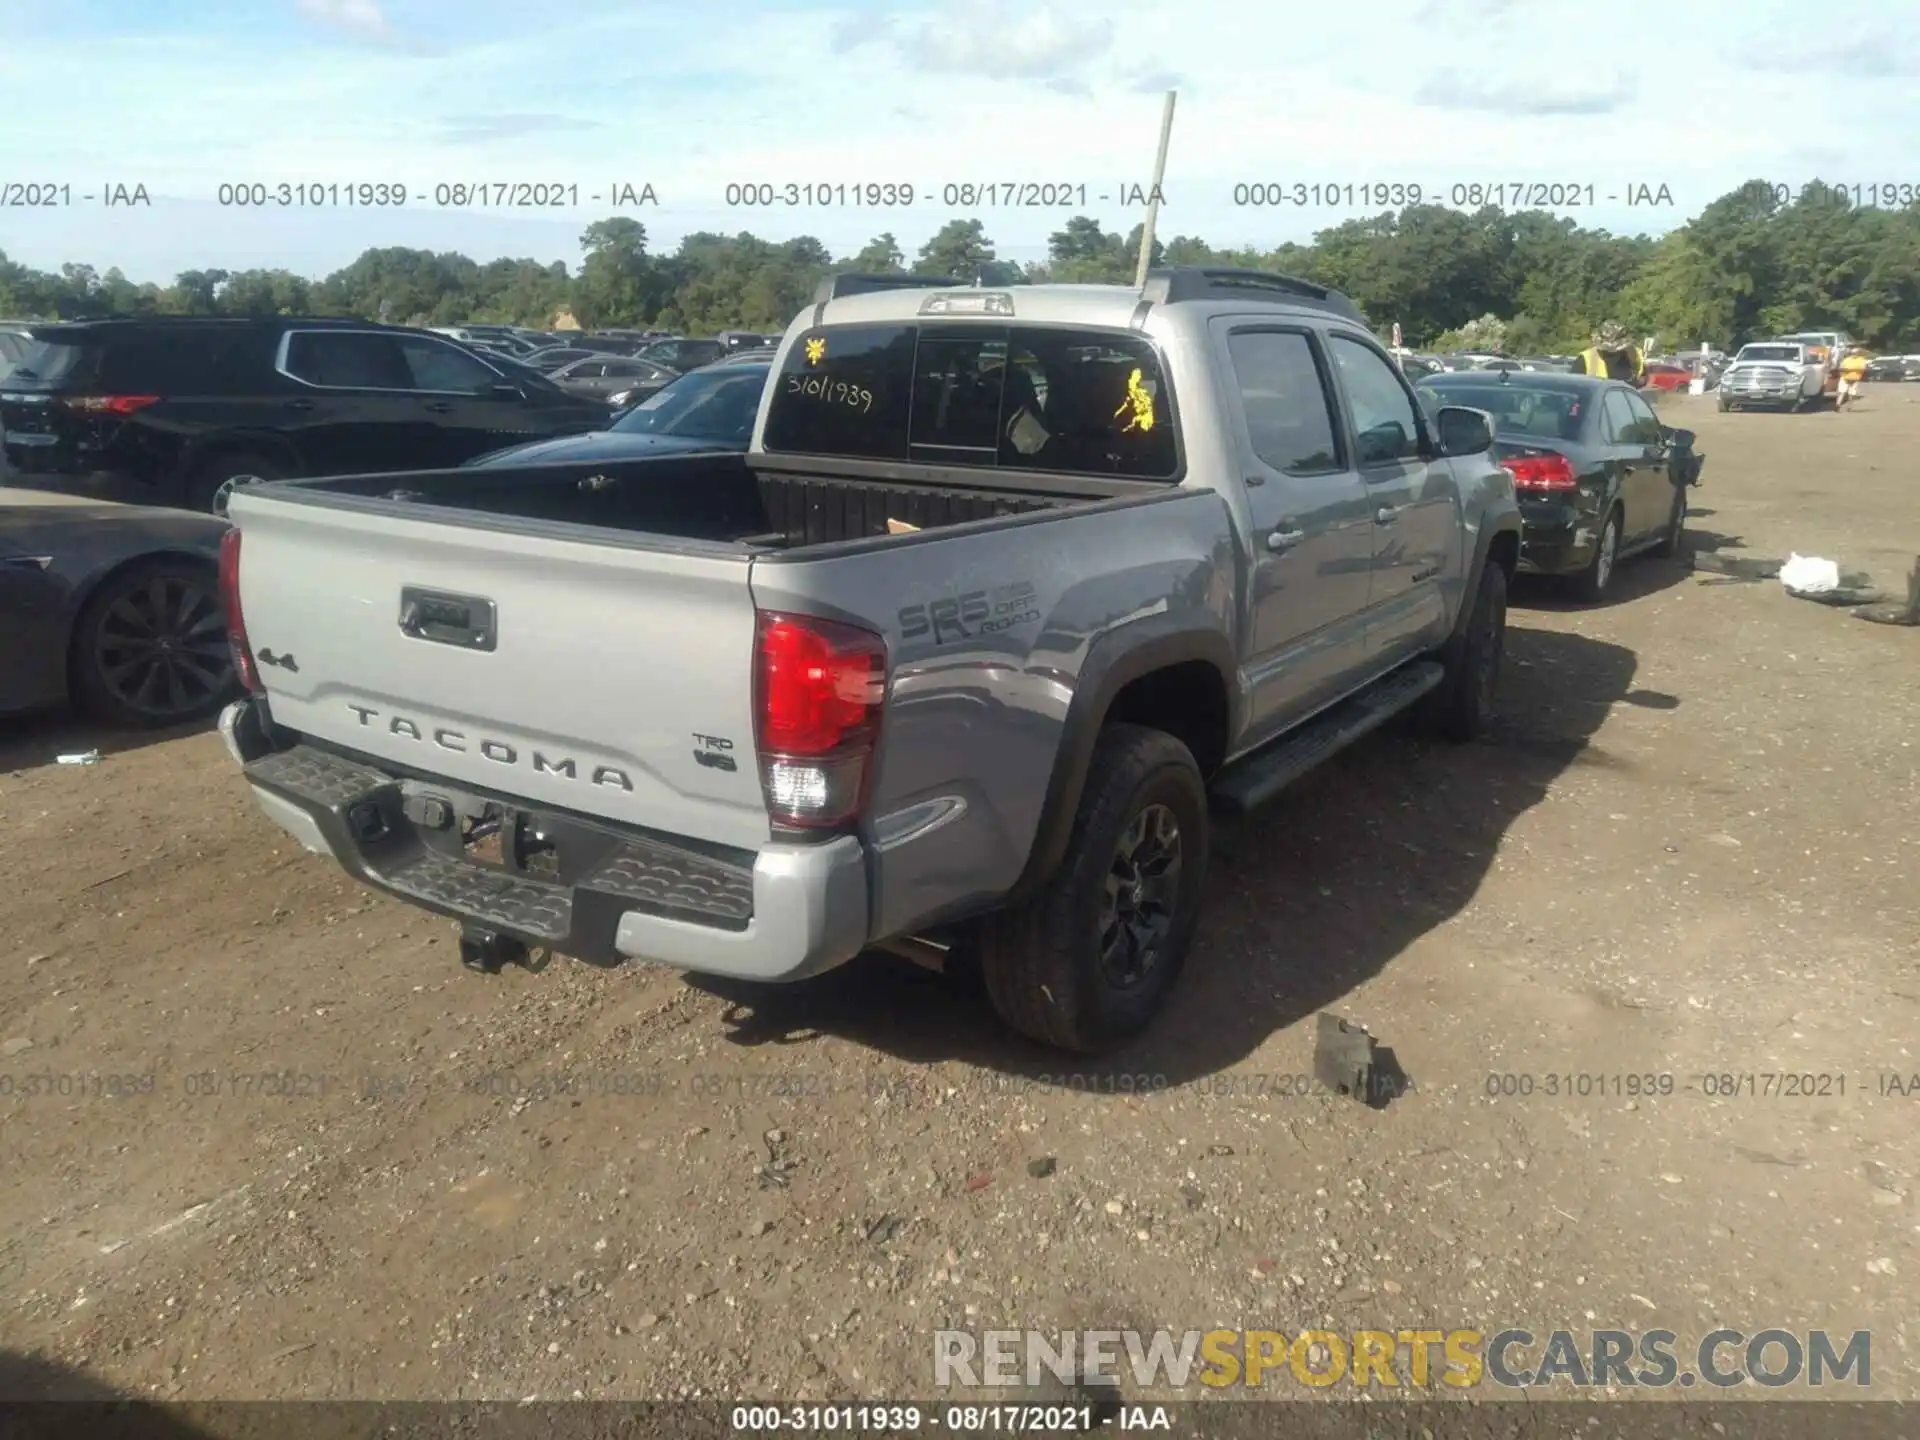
column 603, row 664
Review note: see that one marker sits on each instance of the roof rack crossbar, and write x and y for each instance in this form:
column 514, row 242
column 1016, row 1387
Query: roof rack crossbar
column 1171, row 285
column 838, row 287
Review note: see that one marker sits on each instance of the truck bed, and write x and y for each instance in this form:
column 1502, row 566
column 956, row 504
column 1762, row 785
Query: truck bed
column 709, row 498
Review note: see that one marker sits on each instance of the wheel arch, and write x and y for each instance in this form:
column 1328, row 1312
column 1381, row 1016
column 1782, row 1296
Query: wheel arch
column 1177, row 681
column 267, row 443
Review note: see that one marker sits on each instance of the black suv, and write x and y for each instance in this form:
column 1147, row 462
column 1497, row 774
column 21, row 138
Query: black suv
column 194, row 407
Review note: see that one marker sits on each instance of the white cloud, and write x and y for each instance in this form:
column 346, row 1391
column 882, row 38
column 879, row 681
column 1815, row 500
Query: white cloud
column 1000, row 41
column 364, row 18
column 1457, row 90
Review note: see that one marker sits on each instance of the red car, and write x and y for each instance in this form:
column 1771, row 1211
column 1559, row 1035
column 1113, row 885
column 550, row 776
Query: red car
column 1667, row 377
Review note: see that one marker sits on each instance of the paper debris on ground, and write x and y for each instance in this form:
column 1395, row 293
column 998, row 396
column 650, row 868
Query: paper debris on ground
column 901, row 527
column 83, row 757
column 1809, row 575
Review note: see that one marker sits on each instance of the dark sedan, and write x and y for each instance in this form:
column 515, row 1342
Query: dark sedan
column 1893, row 369
column 114, row 608
column 554, row 356
column 1598, row 476
column 708, row 409
column 602, row 375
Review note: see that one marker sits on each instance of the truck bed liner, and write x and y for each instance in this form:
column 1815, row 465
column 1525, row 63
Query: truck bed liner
column 714, row 498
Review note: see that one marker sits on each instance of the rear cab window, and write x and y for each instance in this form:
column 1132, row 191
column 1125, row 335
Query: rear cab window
column 1060, row 400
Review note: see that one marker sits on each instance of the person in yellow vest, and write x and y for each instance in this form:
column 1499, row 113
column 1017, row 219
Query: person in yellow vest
column 1853, row 370
column 1614, row 356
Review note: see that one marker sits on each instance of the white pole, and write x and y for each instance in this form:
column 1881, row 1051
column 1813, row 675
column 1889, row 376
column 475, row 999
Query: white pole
column 1153, row 199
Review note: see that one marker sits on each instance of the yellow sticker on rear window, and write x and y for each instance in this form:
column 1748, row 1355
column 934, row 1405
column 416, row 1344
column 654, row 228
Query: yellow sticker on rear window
column 1140, row 401
column 816, row 350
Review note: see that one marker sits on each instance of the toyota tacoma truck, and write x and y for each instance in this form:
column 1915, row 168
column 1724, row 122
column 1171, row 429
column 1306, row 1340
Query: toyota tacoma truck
column 1011, row 590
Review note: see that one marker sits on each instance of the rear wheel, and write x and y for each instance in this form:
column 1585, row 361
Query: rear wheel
column 1591, row 584
column 214, row 482
column 1459, row 708
column 150, row 648
column 1086, row 965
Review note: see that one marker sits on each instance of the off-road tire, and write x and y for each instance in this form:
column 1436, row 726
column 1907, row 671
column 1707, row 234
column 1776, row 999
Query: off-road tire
column 1458, row 708
column 204, row 486
column 1591, row 585
column 1040, row 959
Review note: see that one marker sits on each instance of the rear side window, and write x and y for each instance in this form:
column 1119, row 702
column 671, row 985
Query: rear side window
column 185, row 362
column 347, row 359
column 1617, row 418
column 1087, row 402
column 1289, row 414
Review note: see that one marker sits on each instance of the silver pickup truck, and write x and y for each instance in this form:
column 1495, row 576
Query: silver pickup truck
column 1010, row 587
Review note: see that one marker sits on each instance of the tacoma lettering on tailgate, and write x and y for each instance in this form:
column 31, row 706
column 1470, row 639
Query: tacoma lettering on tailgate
column 498, row 751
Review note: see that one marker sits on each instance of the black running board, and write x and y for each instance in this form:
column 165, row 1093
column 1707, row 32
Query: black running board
column 1252, row 781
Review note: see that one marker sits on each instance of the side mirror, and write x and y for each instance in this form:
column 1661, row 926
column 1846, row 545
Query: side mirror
column 1464, row 431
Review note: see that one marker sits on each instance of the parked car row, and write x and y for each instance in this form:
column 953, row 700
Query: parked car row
column 1893, row 369
column 193, row 408
column 117, row 608
column 1417, row 366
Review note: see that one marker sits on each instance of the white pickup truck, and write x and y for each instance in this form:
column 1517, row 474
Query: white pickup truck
column 1773, row 375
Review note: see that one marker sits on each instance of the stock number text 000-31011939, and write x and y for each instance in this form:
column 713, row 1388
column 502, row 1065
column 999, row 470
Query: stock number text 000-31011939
column 446, row 195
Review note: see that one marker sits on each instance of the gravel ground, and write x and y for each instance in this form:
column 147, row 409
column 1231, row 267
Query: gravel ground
column 1688, row 848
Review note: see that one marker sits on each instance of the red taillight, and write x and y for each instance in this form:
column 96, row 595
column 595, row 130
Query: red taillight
column 819, row 688
column 1540, row 472
column 236, row 622
column 111, row 404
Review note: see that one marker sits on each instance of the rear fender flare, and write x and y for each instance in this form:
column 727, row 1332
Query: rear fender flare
column 1503, row 522
column 1113, row 661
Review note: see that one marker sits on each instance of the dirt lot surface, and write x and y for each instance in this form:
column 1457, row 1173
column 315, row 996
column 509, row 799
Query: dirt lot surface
column 1689, row 849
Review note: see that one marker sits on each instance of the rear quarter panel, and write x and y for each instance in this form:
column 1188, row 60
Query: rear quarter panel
column 989, row 633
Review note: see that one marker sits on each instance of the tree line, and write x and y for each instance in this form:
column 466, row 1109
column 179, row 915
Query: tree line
column 1749, row 264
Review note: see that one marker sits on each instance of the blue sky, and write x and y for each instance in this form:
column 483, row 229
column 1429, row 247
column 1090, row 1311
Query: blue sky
column 186, row 95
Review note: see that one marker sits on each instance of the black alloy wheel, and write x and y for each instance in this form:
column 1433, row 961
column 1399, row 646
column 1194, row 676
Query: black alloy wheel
column 151, row 649
column 1142, row 892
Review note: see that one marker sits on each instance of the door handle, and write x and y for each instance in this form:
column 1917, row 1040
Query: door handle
column 299, row 404
column 1285, row 539
column 438, row 407
column 1386, row 515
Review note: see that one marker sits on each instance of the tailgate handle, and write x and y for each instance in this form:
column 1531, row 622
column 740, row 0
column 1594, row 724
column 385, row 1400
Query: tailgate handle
column 463, row 620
